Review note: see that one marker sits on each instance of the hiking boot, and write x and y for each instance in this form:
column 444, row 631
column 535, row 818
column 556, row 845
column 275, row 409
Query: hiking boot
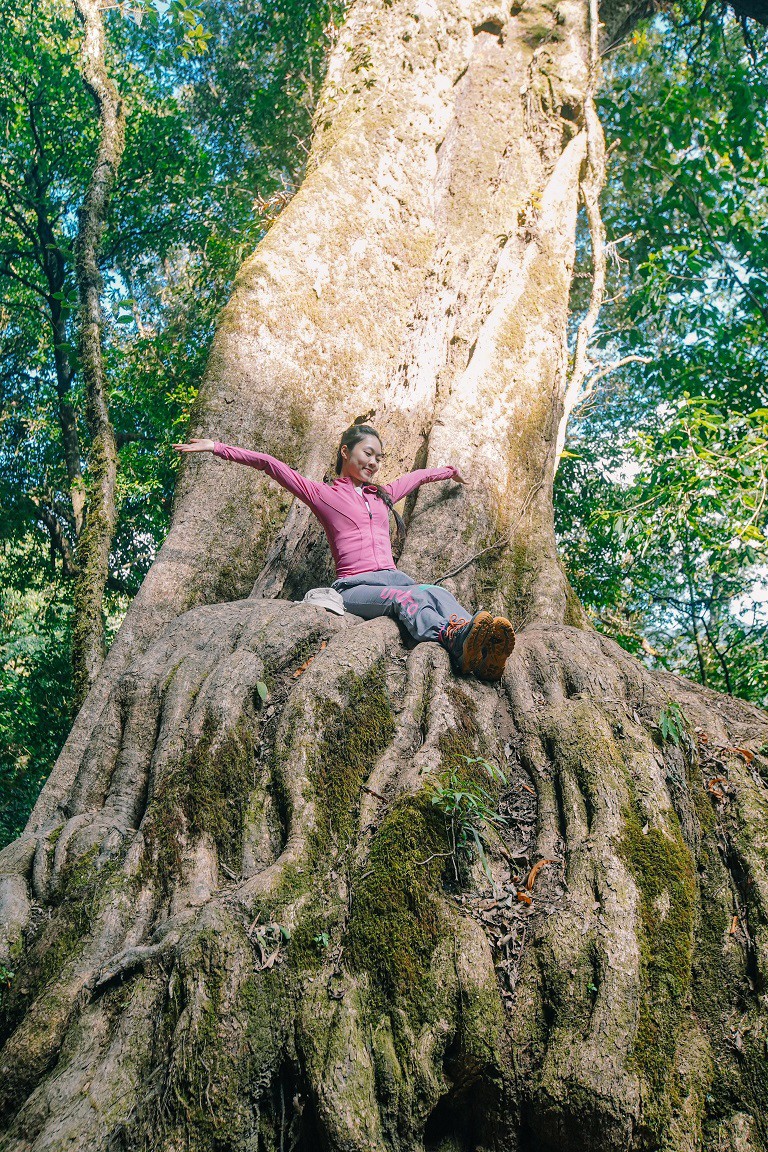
column 467, row 641
column 498, row 649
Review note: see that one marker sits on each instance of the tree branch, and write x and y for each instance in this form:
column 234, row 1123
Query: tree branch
column 88, row 645
column 591, row 187
column 589, row 387
column 59, row 539
column 497, row 543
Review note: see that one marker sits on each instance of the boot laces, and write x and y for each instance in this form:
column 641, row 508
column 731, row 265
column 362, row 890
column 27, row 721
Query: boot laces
column 454, row 625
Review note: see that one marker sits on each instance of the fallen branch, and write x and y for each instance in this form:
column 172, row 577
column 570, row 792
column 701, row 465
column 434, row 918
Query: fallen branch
column 497, row 543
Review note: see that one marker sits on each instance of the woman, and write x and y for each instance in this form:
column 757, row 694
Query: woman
column 354, row 512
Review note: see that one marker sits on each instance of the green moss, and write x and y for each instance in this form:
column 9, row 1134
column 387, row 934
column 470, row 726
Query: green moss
column 205, row 792
column 84, row 892
column 515, row 571
column 396, row 919
column 88, row 644
column 353, row 739
column 425, row 702
column 464, row 739
column 575, row 616
column 662, row 867
column 306, row 952
column 225, row 1036
column 202, row 1096
column 721, row 992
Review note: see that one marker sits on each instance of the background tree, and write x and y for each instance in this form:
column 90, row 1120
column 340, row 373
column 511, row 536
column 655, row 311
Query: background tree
column 182, row 220
column 666, row 479
column 263, row 926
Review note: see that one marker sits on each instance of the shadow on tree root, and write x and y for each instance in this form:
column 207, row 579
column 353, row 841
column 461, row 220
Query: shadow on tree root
column 245, row 928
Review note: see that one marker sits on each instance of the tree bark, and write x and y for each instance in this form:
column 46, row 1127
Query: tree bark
column 239, row 922
column 53, row 265
column 95, row 539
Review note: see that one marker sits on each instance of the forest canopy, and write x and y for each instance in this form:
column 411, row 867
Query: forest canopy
column 661, row 492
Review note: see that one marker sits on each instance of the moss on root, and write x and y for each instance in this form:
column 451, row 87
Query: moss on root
column 662, row 868
column 204, row 792
column 354, row 736
column 723, row 1000
column 226, row 1039
column 84, row 892
column 465, row 738
column 396, row 920
column 202, row 1098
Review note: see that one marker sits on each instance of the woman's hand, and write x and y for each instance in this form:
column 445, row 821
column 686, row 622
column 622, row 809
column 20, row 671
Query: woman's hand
column 458, row 476
column 196, row 445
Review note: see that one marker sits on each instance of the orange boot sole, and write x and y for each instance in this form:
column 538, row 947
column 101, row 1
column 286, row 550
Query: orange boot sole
column 499, row 648
column 476, row 645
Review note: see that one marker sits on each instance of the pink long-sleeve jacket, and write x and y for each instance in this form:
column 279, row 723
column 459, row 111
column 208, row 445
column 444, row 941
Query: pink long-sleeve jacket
column 357, row 526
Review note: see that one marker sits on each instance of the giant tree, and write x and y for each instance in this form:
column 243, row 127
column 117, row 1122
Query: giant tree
column 245, row 912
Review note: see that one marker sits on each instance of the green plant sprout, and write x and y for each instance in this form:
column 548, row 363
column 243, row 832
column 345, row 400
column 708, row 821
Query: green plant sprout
column 470, row 810
column 673, row 724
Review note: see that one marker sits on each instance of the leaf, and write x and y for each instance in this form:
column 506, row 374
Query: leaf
column 534, row 873
column 262, row 690
column 270, row 960
column 300, row 670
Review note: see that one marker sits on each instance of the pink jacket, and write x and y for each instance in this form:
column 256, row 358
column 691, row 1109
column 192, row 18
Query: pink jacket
column 357, row 526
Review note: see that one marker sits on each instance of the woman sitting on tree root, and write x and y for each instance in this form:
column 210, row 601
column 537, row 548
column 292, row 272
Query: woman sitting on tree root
column 354, row 512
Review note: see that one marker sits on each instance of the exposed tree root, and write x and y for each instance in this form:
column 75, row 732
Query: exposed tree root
column 246, row 924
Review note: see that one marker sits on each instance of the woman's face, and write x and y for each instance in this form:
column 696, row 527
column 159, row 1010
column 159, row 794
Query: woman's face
column 362, row 462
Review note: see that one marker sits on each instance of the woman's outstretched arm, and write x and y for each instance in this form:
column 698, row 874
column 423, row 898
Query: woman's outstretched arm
column 301, row 486
column 404, row 485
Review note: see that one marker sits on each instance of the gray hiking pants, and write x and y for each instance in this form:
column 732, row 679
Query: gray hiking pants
column 423, row 609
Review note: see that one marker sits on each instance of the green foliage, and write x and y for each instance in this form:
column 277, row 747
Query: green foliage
column 35, row 621
column 470, row 811
column 661, row 500
column 672, row 724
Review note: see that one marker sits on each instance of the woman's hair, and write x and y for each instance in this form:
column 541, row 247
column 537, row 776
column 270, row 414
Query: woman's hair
column 352, row 436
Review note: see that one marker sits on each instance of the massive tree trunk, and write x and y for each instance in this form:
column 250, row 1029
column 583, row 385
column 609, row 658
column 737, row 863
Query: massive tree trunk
column 238, row 922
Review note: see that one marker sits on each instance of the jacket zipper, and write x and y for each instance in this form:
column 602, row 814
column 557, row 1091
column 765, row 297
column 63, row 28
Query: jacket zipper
column 370, row 525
